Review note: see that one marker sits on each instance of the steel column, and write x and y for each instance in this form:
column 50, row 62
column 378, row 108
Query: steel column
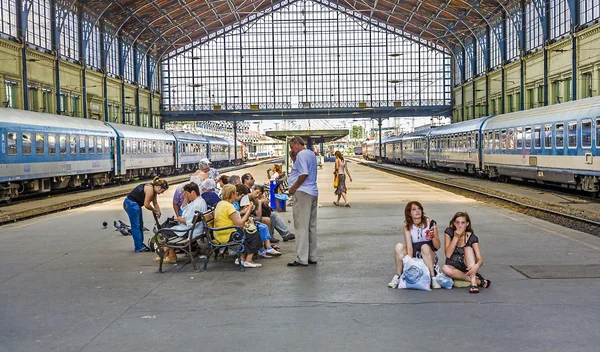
column 234, row 141
column 83, row 46
column 55, row 30
column 23, row 6
column 122, row 59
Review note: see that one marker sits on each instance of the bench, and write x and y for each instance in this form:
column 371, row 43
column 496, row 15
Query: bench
column 167, row 237
column 235, row 245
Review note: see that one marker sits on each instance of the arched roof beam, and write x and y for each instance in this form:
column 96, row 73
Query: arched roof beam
column 189, row 11
column 164, row 15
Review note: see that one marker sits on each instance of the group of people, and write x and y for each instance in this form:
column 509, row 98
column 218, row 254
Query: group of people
column 461, row 248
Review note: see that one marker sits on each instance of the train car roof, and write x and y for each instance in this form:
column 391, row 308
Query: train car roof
column 216, row 140
column 589, row 107
column 416, row 134
column 46, row 121
column 458, row 127
column 128, row 131
column 189, row 137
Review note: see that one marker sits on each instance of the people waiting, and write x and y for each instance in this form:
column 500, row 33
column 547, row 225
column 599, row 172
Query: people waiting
column 258, row 194
column 463, row 255
column 194, row 204
column 197, row 177
column 226, row 215
column 422, row 241
column 212, row 172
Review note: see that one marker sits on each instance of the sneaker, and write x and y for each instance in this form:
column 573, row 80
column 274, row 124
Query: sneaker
column 435, row 283
column 252, row 265
column 264, row 254
column 273, row 252
column 237, row 261
column 394, row 282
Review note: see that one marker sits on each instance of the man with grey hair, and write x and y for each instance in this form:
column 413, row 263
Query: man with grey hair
column 303, row 181
column 235, row 180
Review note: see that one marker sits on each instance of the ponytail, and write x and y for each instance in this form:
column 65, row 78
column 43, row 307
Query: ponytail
column 162, row 183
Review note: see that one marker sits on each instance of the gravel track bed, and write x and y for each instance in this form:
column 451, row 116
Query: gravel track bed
column 553, row 218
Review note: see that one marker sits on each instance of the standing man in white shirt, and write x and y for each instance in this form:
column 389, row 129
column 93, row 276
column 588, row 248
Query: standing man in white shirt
column 303, row 181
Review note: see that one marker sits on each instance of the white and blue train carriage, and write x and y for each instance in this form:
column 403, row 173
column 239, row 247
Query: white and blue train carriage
column 190, row 148
column 393, row 149
column 43, row 152
column 456, row 146
column 143, row 152
column 415, row 148
column 218, row 151
column 555, row 144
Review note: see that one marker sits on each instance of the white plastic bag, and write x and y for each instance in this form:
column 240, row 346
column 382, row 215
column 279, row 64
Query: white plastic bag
column 415, row 274
column 444, row 281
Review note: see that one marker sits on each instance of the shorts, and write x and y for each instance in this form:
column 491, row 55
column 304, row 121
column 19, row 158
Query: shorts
column 457, row 265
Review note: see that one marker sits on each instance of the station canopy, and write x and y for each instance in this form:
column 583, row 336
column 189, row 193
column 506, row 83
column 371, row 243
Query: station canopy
column 168, row 25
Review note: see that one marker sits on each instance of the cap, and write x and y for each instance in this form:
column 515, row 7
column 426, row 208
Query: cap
column 205, row 160
column 244, row 201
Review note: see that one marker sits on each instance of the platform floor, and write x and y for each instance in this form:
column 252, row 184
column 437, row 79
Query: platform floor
column 67, row 284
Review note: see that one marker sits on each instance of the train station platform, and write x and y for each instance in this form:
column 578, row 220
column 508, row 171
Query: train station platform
column 68, row 284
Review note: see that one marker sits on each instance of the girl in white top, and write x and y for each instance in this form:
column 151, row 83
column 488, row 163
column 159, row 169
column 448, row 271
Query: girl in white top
column 422, row 240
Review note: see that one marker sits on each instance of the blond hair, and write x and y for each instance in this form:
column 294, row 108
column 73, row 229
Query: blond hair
column 227, row 191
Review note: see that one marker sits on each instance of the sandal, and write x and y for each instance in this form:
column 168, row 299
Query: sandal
column 275, row 247
column 347, row 205
column 483, row 282
column 336, row 204
column 473, row 289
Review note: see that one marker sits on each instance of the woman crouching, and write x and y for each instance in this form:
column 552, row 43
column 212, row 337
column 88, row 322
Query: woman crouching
column 463, row 256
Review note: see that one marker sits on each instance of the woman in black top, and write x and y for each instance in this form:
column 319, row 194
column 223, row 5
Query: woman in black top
column 141, row 196
column 463, row 256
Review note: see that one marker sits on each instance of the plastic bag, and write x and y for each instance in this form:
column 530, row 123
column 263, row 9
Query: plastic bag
column 415, row 274
column 336, row 181
column 444, row 281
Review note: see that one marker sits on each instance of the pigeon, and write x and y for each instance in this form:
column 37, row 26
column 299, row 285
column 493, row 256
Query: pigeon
column 122, row 227
column 104, row 224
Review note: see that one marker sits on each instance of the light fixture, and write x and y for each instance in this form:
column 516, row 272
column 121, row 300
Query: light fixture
column 395, row 54
column 394, row 81
column 195, row 85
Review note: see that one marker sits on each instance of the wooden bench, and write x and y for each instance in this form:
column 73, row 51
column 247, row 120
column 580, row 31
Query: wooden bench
column 169, row 238
column 235, row 245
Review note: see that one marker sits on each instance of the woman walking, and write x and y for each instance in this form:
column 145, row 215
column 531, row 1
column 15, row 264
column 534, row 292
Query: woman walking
column 141, row 196
column 341, row 170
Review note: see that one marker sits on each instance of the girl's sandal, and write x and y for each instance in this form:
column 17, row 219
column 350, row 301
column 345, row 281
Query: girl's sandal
column 473, row 289
column 347, row 205
column 483, row 282
column 336, row 203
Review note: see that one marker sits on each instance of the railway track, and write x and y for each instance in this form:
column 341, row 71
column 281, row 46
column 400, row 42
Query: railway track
column 86, row 199
column 586, row 222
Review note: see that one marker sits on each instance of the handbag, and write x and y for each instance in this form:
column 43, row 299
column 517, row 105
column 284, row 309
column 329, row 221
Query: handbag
column 250, row 226
column 336, row 181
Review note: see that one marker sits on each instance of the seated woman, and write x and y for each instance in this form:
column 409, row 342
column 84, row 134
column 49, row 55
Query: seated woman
column 463, row 256
column 422, row 241
column 226, row 215
column 194, row 203
column 268, row 251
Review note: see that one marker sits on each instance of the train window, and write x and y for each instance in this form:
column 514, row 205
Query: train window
column 81, row 144
column 154, row 149
column 503, row 139
column 73, row 145
column 496, row 139
column 597, row 132
column 139, row 147
column 51, row 144
column 572, row 134
column 12, row 143
column 527, row 137
column 127, row 146
column 586, row 133
column 519, row 141
column 39, row 144
column 560, row 135
column 537, row 139
column 490, row 140
column 91, row 145
column 548, row 136
column 98, row 145
column 106, row 145
column 510, row 139
column 62, row 144
column 26, row 143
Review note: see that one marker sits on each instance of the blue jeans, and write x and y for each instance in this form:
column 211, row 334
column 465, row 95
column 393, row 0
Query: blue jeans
column 137, row 223
column 263, row 230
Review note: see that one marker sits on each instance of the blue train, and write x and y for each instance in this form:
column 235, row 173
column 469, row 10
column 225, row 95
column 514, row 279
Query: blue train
column 44, row 152
column 555, row 145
